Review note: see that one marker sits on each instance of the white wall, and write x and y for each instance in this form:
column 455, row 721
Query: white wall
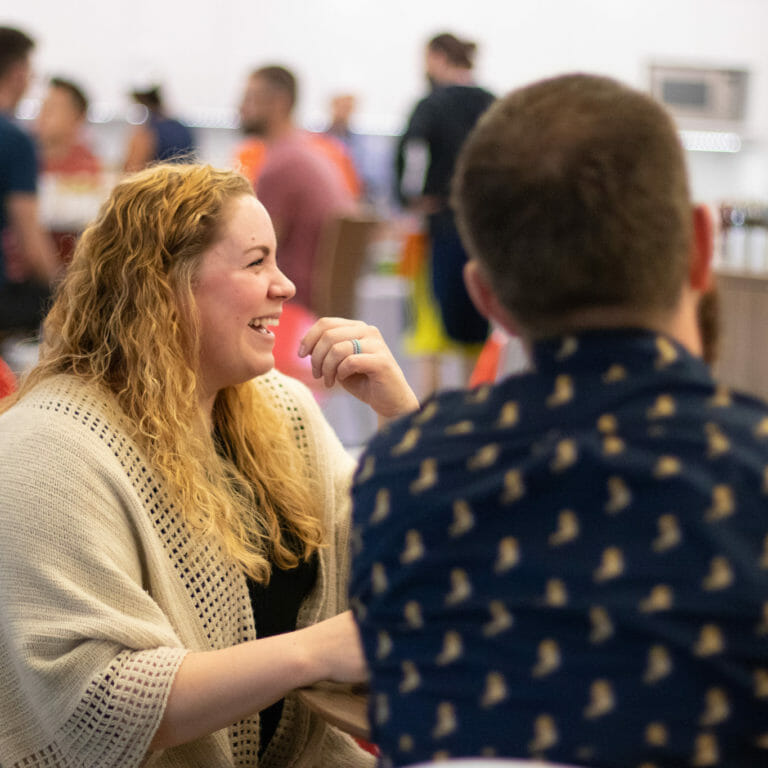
column 202, row 51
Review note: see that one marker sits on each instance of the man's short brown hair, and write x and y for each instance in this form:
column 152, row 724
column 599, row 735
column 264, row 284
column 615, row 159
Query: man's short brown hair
column 280, row 79
column 15, row 46
column 572, row 192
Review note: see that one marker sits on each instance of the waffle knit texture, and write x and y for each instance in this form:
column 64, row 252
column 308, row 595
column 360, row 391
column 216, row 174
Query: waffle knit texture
column 102, row 591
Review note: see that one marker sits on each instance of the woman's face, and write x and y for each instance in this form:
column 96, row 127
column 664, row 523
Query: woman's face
column 239, row 293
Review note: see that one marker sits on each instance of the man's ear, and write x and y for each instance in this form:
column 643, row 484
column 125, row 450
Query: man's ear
column 702, row 249
column 483, row 297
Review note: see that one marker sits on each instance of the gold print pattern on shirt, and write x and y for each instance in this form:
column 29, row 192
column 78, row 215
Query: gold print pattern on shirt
column 602, row 626
column 495, row 690
column 509, row 416
column 667, row 466
column 619, row 496
column 405, row 742
column 660, row 598
column 414, row 548
column 461, row 588
column 427, row 476
column 545, row 735
column 381, row 507
column 479, row 395
column 411, row 679
column 721, row 398
column 567, row 348
column 453, row 648
column 501, row 619
column 508, row 555
column 761, row 430
column 705, row 750
column 761, row 683
column 408, row 443
column 445, row 721
column 429, row 412
column 656, row 734
column 381, row 708
column 566, row 455
column 717, row 443
column 514, row 487
column 761, row 742
column 615, row 374
column 710, row 641
column 658, row 666
column 667, row 352
column 548, row 658
column 567, row 529
column 378, row 579
column 484, row 458
column 556, row 593
column 670, row 534
column 563, row 391
column 601, row 700
column 723, row 503
column 663, row 408
column 413, row 616
column 460, row 428
column 463, row 519
column 607, row 424
column 720, row 575
column 383, row 645
column 717, row 708
column 611, row 566
column 366, row 473
column 613, row 445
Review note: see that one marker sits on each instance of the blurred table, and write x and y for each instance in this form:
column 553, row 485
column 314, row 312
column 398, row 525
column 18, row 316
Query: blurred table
column 340, row 704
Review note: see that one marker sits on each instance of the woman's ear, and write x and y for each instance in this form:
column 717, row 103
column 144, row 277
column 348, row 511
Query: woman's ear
column 484, row 298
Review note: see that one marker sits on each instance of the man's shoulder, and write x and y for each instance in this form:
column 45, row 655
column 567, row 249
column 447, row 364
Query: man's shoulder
column 12, row 137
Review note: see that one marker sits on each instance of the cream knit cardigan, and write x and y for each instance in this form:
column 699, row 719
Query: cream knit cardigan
column 98, row 606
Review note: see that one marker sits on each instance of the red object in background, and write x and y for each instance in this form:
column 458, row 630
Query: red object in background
column 294, row 323
column 486, row 369
column 7, row 379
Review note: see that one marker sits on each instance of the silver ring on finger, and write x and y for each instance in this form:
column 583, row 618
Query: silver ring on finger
column 357, row 349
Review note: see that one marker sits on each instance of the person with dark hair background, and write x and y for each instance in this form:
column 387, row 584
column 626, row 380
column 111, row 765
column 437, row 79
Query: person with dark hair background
column 160, row 138
column 21, row 300
column 425, row 160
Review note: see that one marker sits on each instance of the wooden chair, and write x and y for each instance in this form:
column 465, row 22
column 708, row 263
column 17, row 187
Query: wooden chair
column 339, row 260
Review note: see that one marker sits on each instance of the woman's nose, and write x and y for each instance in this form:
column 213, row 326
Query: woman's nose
column 282, row 286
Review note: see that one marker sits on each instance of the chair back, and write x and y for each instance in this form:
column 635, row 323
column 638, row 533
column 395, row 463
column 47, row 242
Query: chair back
column 339, row 260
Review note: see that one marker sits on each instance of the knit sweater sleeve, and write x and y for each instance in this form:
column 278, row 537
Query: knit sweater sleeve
column 87, row 657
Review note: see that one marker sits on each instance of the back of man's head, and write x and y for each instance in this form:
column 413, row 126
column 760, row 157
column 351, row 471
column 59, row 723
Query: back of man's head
column 572, row 193
column 15, row 47
column 280, row 80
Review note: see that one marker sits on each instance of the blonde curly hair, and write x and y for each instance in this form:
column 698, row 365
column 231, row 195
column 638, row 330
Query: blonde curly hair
column 124, row 318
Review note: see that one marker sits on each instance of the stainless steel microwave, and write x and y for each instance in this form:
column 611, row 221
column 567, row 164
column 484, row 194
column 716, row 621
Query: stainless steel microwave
column 701, row 97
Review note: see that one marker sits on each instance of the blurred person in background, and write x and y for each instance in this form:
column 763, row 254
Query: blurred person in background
column 572, row 564
column 301, row 187
column 71, row 181
column 160, row 138
column 22, row 295
column 425, row 160
column 175, row 512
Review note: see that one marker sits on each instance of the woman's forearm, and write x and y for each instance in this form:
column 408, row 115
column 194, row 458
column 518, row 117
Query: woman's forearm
column 214, row 689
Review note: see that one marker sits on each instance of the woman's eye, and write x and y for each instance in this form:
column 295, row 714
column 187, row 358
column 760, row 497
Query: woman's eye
column 257, row 262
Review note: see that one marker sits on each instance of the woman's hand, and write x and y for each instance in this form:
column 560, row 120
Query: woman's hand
column 354, row 354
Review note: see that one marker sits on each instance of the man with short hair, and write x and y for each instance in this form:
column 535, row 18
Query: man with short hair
column 299, row 183
column 573, row 564
column 20, row 302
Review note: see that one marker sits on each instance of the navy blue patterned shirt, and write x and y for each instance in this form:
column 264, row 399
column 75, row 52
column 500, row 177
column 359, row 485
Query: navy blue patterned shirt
column 570, row 565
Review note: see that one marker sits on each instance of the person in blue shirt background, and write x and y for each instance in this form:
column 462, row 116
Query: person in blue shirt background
column 572, row 564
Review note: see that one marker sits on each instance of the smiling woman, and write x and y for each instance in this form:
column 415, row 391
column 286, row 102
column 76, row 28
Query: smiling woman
column 168, row 498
